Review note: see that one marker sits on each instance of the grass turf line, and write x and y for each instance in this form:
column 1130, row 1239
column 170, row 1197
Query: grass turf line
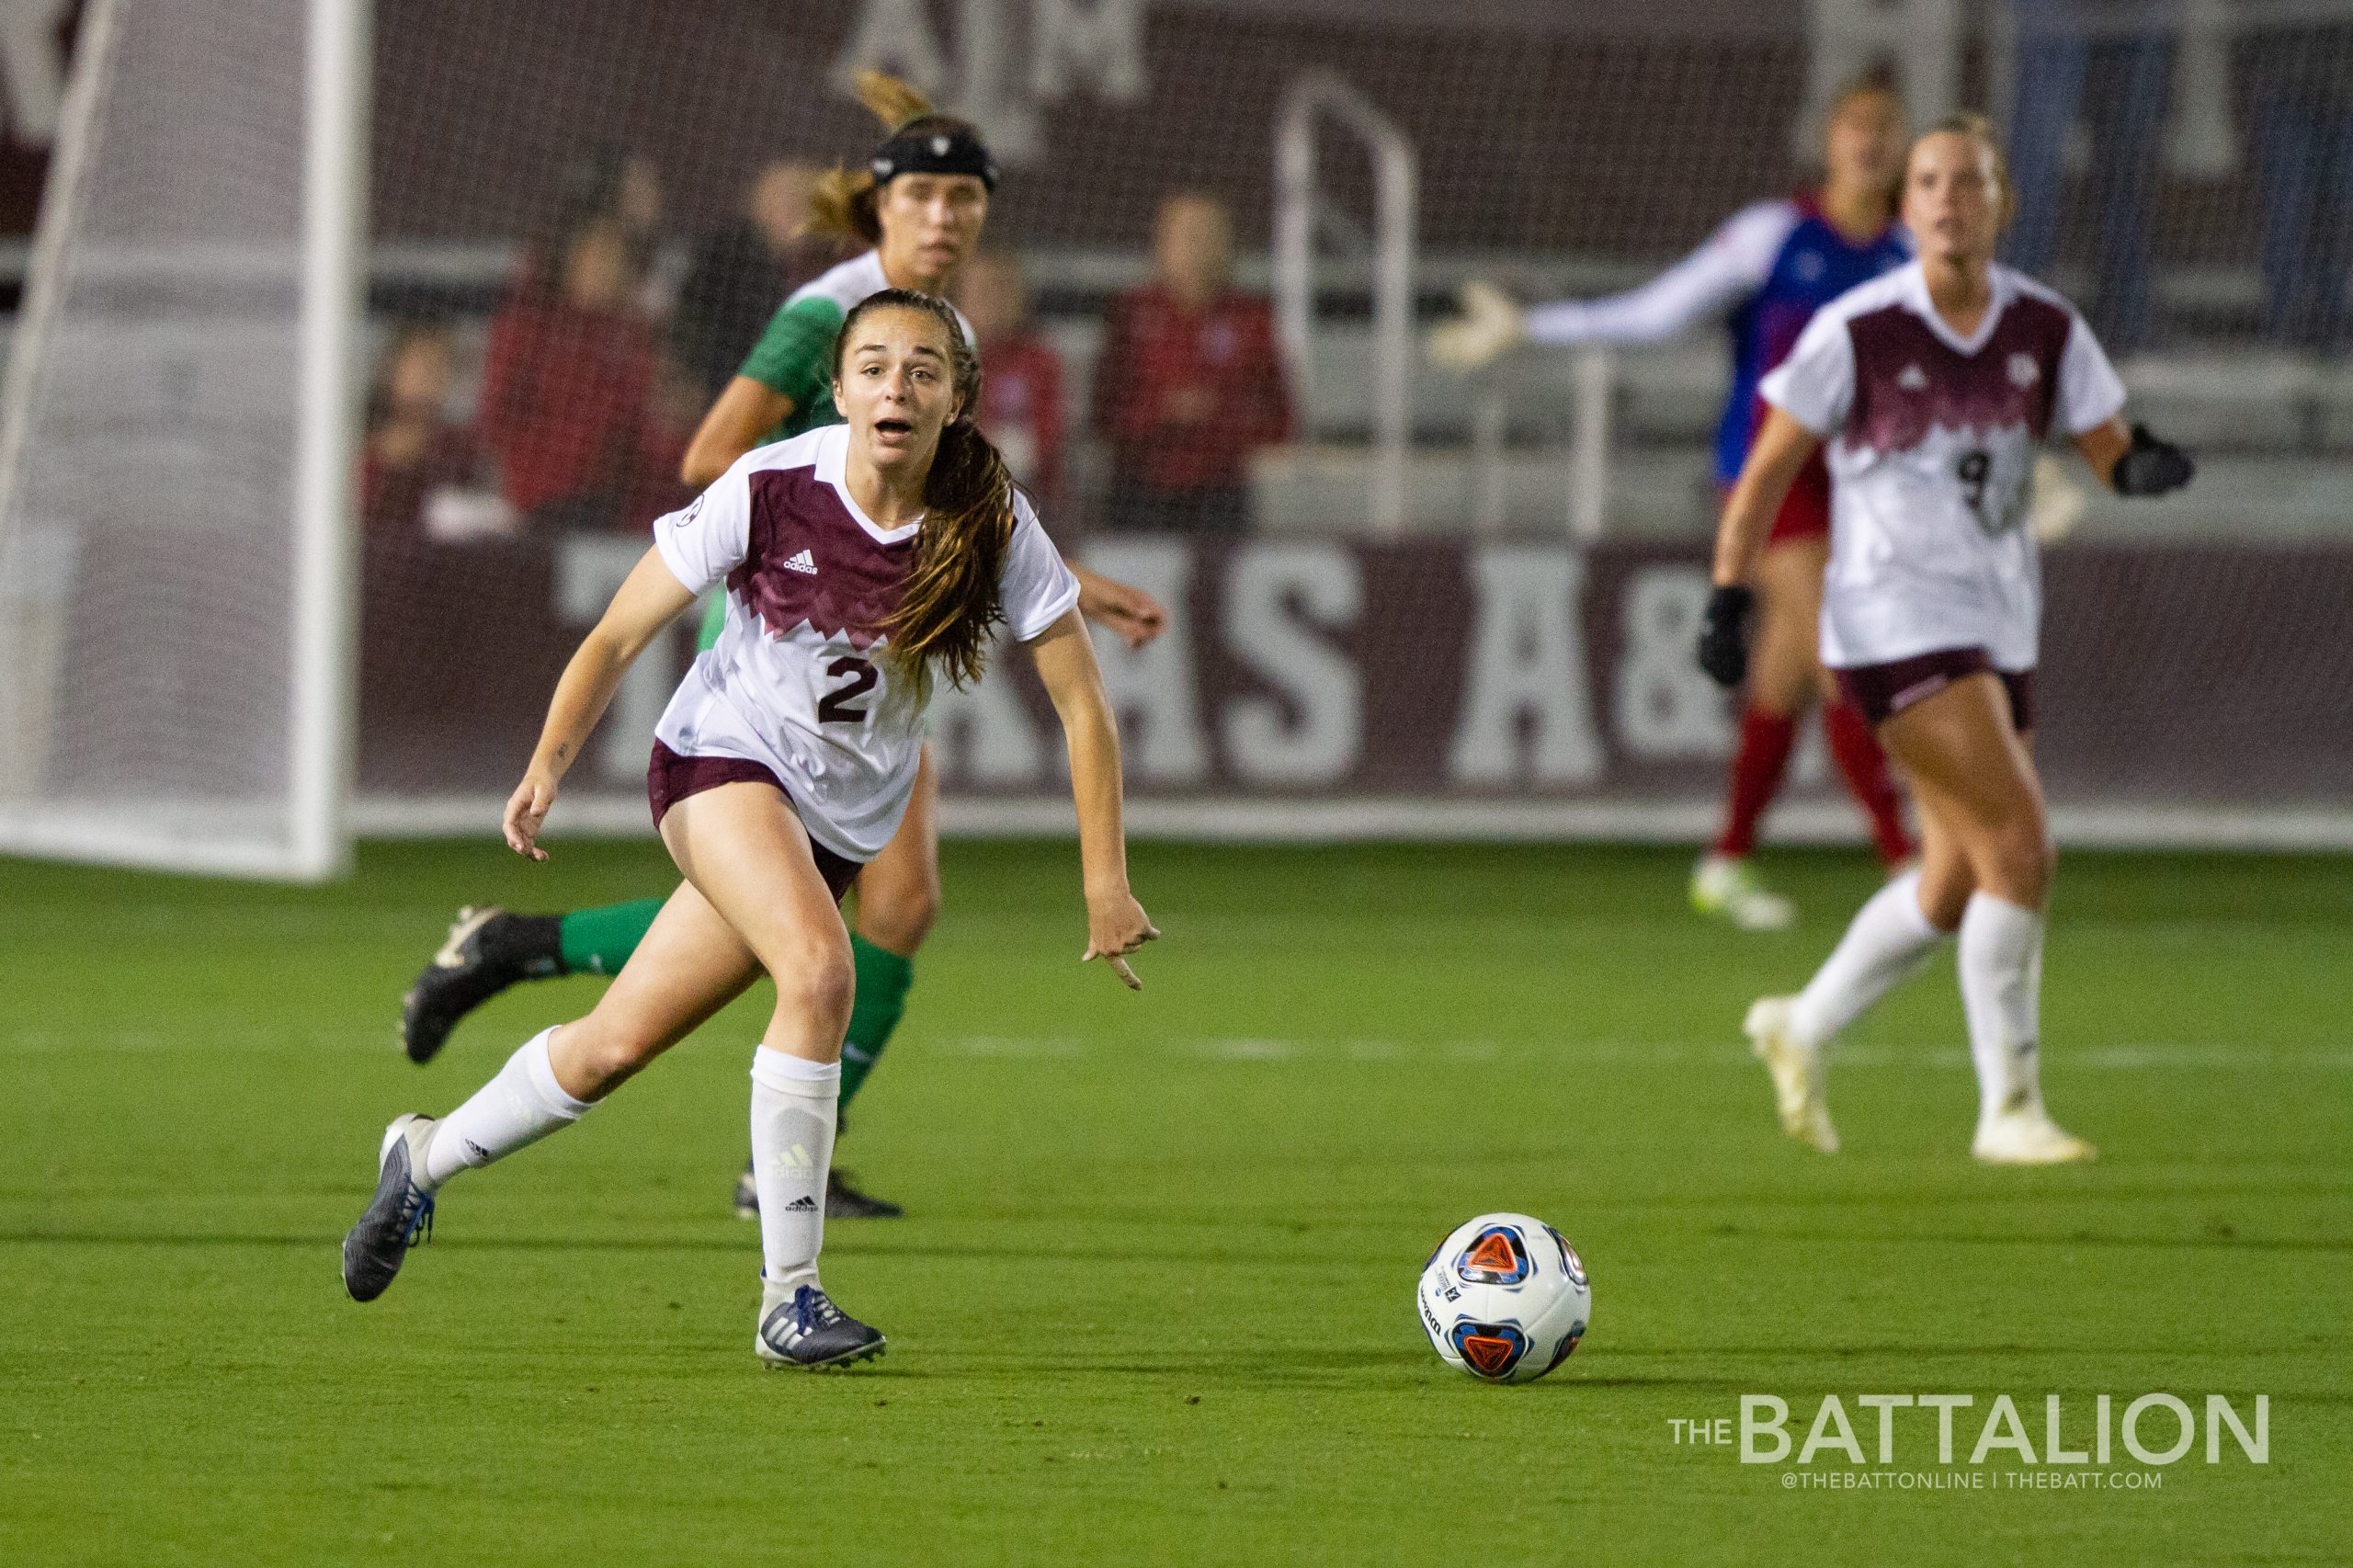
column 1153, row 1301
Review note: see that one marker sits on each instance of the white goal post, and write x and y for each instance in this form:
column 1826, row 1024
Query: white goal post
column 176, row 605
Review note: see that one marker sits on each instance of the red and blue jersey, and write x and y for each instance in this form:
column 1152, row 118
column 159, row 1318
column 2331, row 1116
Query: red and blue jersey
column 1766, row 271
column 1813, row 264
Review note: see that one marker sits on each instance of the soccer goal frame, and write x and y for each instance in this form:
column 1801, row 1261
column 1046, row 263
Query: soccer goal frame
column 306, row 836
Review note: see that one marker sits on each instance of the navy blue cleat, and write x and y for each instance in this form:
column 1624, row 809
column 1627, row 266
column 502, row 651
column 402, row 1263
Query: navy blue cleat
column 396, row 1219
column 808, row 1330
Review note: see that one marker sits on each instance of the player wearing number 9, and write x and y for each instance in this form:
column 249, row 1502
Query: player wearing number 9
column 863, row 563
column 1933, row 388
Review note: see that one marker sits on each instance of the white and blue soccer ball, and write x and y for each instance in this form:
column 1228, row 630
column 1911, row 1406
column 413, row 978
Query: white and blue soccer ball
column 1505, row 1298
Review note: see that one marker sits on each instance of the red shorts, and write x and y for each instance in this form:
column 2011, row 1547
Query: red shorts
column 1882, row 691
column 1805, row 511
column 670, row 779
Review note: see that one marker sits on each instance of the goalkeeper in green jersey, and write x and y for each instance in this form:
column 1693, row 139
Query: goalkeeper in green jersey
column 919, row 204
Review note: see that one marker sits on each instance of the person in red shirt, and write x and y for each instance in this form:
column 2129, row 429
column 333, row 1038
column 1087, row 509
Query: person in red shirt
column 1021, row 389
column 569, row 390
column 1189, row 383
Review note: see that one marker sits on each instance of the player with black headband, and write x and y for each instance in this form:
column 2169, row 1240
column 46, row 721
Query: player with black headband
column 918, row 203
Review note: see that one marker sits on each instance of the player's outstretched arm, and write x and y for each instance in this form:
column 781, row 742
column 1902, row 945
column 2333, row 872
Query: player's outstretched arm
column 2133, row 461
column 1128, row 613
column 1781, row 449
column 745, row 411
column 649, row 600
column 1115, row 922
column 1735, row 262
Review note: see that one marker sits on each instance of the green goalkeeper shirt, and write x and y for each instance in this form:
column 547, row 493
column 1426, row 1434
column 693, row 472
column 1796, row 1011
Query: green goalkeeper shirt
column 795, row 356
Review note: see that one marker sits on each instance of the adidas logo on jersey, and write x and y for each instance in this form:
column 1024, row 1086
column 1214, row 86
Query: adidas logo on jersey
column 802, row 563
column 1912, row 378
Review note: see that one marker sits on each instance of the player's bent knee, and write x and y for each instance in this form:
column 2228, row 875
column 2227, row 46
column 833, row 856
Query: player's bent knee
column 594, row 1056
column 818, row 983
column 2021, row 857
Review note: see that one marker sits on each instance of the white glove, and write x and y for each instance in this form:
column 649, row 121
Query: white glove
column 2057, row 502
column 1489, row 326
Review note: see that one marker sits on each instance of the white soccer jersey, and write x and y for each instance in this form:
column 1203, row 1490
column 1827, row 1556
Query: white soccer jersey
column 795, row 681
column 1932, row 442
column 846, row 283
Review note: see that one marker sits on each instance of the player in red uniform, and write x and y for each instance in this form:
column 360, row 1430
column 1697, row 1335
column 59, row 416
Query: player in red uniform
column 1766, row 271
column 864, row 563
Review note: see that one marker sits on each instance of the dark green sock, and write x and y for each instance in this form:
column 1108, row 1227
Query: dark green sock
column 883, row 981
column 599, row 941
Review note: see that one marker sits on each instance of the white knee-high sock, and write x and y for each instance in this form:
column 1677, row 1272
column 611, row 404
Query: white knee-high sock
column 1886, row 941
column 2000, row 993
column 794, row 1103
column 517, row 1109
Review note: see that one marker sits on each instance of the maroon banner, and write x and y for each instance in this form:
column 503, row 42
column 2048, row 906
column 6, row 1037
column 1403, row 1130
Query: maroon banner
column 1315, row 669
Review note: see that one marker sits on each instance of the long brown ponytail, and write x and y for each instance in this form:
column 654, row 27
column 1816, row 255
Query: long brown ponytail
column 843, row 204
column 951, row 600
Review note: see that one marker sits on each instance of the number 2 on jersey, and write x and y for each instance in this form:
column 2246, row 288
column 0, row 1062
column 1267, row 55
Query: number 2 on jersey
column 835, row 707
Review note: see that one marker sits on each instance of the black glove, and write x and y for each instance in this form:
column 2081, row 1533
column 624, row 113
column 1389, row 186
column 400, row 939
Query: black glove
column 2151, row 467
column 1723, row 634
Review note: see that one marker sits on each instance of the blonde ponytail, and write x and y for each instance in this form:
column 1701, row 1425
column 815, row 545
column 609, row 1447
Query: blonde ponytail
column 843, row 204
column 889, row 99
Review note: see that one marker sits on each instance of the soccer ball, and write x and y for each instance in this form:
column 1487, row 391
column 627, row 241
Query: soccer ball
column 1505, row 1299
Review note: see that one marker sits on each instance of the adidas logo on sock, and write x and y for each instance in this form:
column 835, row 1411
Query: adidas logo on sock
column 802, row 563
column 805, row 1204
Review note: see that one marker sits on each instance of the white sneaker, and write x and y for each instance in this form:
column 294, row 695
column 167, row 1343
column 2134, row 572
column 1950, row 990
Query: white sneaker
column 2028, row 1136
column 1797, row 1074
column 1726, row 885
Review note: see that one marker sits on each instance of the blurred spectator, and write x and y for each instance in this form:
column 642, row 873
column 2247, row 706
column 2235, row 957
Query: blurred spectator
column 422, row 473
column 568, row 393
column 2301, row 80
column 2122, row 50
column 1021, row 384
column 739, row 275
column 610, row 183
column 1189, row 383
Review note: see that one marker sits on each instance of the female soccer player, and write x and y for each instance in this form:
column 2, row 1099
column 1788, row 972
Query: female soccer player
column 919, row 205
column 1933, row 387
column 1769, row 268
column 863, row 563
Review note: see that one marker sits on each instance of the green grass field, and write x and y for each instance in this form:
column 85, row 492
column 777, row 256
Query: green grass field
column 1153, row 1302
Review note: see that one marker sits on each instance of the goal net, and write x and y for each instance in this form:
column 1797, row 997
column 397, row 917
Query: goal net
column 1412, row 603
column 171, row 604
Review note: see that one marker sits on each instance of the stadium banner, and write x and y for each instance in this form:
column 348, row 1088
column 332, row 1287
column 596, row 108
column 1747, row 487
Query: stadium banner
column 1414, row 684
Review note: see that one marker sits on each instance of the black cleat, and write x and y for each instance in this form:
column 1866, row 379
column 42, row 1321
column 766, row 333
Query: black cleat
column 809, row 1331
column 842, row 1201
column 486, row 951
column 396, row 1219
column 845, row 1202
